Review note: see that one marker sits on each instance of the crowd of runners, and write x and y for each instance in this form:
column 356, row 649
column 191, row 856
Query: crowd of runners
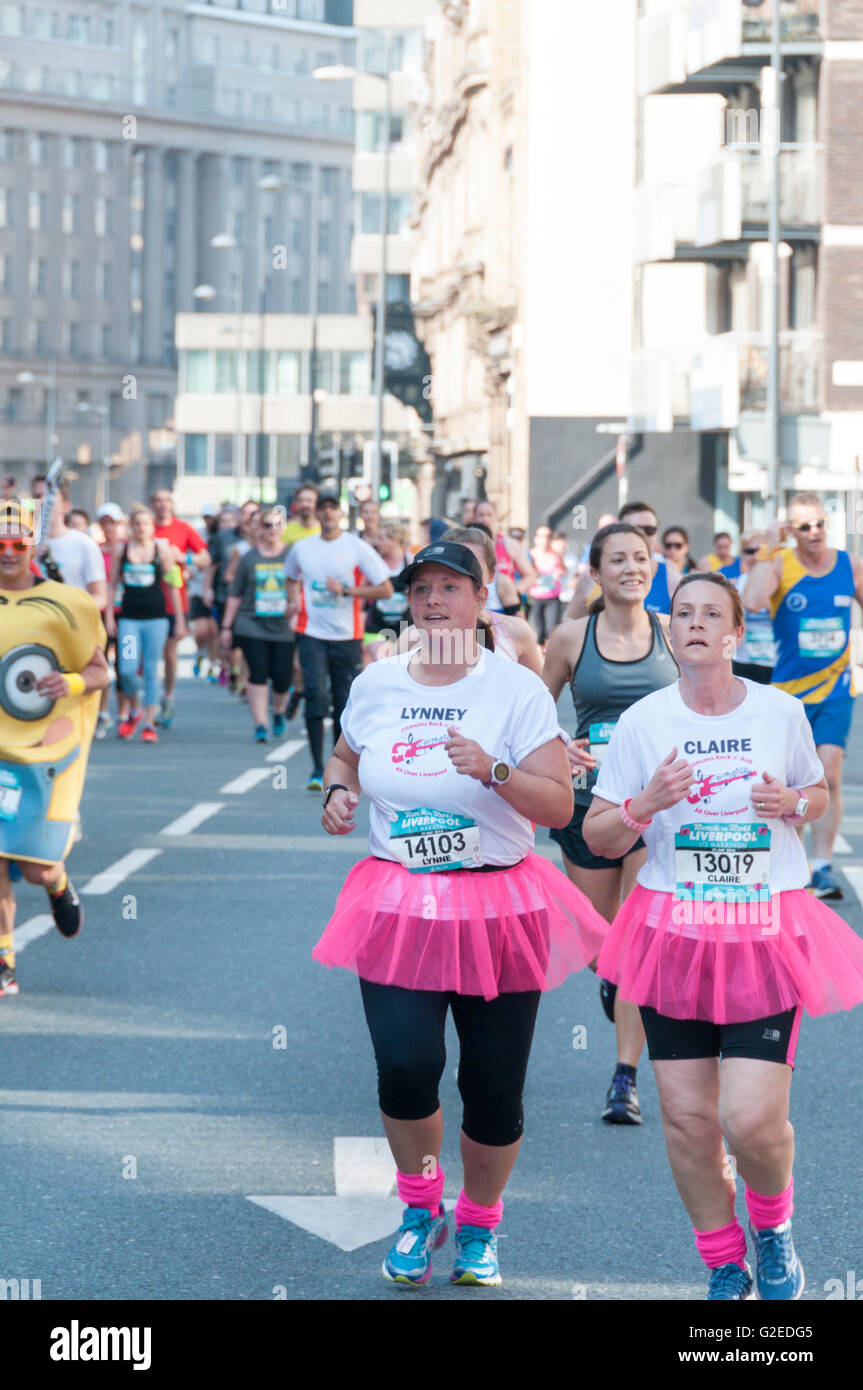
column 711, row 707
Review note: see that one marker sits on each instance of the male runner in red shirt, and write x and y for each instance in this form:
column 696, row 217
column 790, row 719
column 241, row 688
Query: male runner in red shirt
column 186, row 539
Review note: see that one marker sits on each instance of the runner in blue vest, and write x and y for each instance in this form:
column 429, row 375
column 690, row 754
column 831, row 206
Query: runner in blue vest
column 810, row 591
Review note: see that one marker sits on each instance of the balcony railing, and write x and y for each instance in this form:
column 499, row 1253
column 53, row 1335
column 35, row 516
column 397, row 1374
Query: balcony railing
column 677, row 38
column 728, row 201
column 707, row 386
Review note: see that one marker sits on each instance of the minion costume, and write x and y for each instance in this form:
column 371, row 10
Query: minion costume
column 44, row 743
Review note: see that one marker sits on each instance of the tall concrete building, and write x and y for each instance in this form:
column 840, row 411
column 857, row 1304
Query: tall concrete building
column 130, row 136
column 701, row 244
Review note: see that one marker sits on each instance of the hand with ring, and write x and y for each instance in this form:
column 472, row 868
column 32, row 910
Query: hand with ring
column 771, row 798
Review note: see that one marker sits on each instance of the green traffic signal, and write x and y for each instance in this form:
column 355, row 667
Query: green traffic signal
column 383, row 493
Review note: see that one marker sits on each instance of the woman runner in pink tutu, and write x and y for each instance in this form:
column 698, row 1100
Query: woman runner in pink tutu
column 719, row 943
column 458, row 750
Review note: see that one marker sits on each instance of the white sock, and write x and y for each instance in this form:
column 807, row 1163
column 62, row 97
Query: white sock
column 820, row 864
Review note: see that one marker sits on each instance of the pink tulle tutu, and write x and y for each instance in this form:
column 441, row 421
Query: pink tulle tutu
column 474, row 933
column 694, row 960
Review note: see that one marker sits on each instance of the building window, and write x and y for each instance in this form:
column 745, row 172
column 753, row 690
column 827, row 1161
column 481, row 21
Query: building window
column 210, row 48
column 223, row 455
column 355, row 374
column 371, row 208
column 172, row 44
column 288, row 374
column 37, row 210
column 71, row 216
column 197, row 372
column 226, row 373
column 106, row 340
column 324, row 371
column 103, row 216
column 5, row 208
column 195, row 454
column 300, row 61
column 7, row 145
column 106, row 32
column 398, row 289
column 6, row 337
column 370, row 130
column 296, row 296
column 71, row 280
column 238, row 171
column 324, row 238
column 73, row 339
column 38, row 276
column 45, row 24
column 324, row 299
column 39, row 149
column 104, row 282
column 72, row 152
column 329, row 182
column 170, row 227
column 101, row 156
column 12, row 19
column 5, row 273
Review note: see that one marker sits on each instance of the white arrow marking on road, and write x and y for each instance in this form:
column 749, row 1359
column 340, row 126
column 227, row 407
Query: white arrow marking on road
column 286, row 750
column 108, row 879
column 184, row 825
column 362, row 1211
column 250, row 778
column 841, row 845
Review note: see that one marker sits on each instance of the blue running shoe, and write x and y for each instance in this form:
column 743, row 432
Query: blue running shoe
column 261, row 734
column 315, row 782
column 279, row 725
column 409, row 1260
column 476, row 1260
column 824, row 885
column 197, row 666
column 778, row 1272
column 730, row 1282
column 621, row 1102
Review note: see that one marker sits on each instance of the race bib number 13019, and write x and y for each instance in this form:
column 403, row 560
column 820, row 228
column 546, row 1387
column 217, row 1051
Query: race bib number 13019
column 722, row 863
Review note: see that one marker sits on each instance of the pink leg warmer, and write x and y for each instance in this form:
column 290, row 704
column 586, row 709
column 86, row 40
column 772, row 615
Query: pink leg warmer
column 416, row 1190
column 727, row 1246
column 468, row 1213
column 767, row 1212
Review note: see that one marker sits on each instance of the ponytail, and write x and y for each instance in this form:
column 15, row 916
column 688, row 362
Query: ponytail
column 485, row 633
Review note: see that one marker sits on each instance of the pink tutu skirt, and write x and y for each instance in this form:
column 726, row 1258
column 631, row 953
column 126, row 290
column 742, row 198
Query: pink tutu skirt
column 521, row 929
column 696, row 961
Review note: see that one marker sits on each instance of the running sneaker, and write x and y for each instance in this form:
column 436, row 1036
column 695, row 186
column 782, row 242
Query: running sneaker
column 8, row 983
column 196, row 669
column 149, row 735
column 315, row 782
column 476, row 1257
column 234, row 682
column 824, row 885
column 261, row 733
column 730, row 1282
column 213, row 677
column 621, row 1102
column 607, row 996
column 294, row 703
column 127, row 727
column 66, row 910
column 278, row 725
column 778, row 1272
column 104, row 724
column 165, row 717
column 409, row 1260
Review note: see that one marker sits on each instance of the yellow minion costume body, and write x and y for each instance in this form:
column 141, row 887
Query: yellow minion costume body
column 44, row 743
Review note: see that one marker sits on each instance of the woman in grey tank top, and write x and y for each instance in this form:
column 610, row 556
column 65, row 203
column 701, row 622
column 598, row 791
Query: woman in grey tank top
column 615, row 656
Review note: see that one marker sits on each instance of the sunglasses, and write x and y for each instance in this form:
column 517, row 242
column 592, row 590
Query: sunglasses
column 271, row 526
column 750, row 549
column 18, row 546
column 649, row 530
column 674, row 545
column 811, row 526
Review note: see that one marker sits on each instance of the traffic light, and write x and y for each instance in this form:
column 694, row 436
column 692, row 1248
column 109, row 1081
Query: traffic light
column 389, row 467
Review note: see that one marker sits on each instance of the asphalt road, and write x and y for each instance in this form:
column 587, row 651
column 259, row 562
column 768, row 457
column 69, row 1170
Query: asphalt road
column 185, row 1053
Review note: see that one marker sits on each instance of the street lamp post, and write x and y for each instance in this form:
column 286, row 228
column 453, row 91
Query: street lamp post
column 85, row 408
column 341, row 74
column 774, row 445
column 28, row 379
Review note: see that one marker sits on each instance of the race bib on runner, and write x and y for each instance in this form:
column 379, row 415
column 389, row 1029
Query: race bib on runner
column 138, row 576
column 322, row 597
column 271, row 597
column 598, row 737
column 10, row 795
column 429, row 842
column 717, row 863
column 817, row 637
column 759, row 643
column 393, row 607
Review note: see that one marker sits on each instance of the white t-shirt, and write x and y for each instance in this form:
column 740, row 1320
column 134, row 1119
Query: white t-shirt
column 334, row 617
column 399, row 727
column 79, row 558
column 768, row 732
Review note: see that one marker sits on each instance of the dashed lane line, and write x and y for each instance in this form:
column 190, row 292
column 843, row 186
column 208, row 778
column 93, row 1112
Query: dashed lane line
column 188, row 822
column 246, row 780
column 109, row 878
column 31, row 930
column 854, row 875
column 286, row 750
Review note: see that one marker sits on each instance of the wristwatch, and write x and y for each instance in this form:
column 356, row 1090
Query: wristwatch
column 500, row 774
column 328, row 791
column 799, row 810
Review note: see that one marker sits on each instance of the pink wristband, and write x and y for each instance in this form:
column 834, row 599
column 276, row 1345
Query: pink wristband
column 627, row 819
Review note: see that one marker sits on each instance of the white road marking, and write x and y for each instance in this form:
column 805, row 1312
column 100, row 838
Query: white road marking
column 250, row 778
column 192, row 819
column 362, row 1210
column 363, row 1167
column 286, row 750
column 854, row 876
column 32, row 930
column 841, row 845
column 108, row 879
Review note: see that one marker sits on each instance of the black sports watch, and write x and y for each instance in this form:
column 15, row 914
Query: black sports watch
column 328, row 791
